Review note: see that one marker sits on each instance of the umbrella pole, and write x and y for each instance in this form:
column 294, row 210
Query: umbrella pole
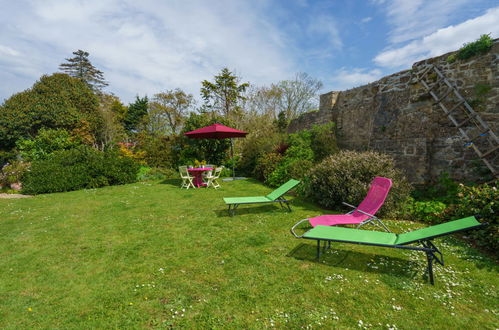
column 232, row 156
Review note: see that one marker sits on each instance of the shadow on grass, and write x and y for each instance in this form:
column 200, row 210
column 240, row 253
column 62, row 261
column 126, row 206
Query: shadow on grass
column 172, row 182
column 252, row 210
column 394, row 271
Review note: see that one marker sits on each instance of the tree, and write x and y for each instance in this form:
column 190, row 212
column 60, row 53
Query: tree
column 80, row 67
column 56, row 101
column 167, row 111
column 265, row 100
column 298, row 95
column 136, row 111
column 224, row 94
column 113, row 114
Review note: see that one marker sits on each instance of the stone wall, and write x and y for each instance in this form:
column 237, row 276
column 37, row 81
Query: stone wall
column 396, row 115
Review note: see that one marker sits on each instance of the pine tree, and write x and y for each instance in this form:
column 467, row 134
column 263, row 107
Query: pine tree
column 80, row 67
column 225, row 94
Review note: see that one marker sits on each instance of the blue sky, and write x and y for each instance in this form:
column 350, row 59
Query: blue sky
column 144, row 47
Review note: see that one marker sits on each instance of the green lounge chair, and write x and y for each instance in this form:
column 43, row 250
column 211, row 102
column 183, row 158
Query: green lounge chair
column 274, row 197
column 366, row 237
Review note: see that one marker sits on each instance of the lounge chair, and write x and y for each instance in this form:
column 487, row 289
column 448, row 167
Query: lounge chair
column 362, row 214
column 400, row 241
column 274, row 197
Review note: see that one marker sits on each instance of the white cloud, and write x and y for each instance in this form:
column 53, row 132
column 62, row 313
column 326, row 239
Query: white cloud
column 366, row 19
column 147, row 46
column 349, row 78
column 325, row 25
column 412, row 19
column 441, row 41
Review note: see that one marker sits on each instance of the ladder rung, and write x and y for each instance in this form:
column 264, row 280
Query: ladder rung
column 455, row 107
column 425, row 71
column 482, row 133
column 490, row 151
column 472, row 116
column 444, row 96
column 436, row 84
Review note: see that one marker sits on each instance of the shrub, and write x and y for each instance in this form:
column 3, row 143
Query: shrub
column 323, row 141
column 428, row 211
column 78, row 168
column 45, row 143
column 443, row 190
column 480, row 200
column 157, row 150
column 156, row 173
column 265, row 165
column 13, row 172
column 480, row 46
column 346, row 177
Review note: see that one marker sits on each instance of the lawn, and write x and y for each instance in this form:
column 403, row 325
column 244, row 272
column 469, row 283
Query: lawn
column 152, row 255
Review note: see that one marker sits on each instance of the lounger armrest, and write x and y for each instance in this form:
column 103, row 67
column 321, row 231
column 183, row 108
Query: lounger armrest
column 353, row 207
column 296, row 224
column 369, row 214
column 357, row 210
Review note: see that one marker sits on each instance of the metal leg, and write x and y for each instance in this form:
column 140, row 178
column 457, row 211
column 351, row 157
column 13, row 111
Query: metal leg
column 381, row 222
column 318, row 249
column 430, row 267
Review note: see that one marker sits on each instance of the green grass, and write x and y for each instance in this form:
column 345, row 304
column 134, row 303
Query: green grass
column 152, row 255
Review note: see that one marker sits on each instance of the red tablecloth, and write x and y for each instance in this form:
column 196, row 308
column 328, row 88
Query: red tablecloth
column 197, row 173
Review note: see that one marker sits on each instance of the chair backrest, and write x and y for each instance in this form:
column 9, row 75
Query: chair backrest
column 217, row 172
column 375, row 196
column 283, row 189
column 183, row 171
column 438, row 230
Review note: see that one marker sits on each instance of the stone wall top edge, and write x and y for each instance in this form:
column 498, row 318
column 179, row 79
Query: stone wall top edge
column 399, row 73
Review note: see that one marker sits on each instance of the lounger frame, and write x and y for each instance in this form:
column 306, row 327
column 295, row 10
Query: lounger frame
column 433, row 254
column 281, row 200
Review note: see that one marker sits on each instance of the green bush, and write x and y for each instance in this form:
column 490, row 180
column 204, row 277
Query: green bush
column 480, row 46
column 78, row 168
column 443, row 190
column 156, row 173
column 323, row 141
column 480, row 200
column 427, row 211
column 345, row 177
column 158, row 151
column 265, row 165
column 45, row 143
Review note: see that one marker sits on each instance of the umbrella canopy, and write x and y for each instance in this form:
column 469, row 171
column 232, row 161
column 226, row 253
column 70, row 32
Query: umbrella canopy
column 218, row 131
column 215, row 131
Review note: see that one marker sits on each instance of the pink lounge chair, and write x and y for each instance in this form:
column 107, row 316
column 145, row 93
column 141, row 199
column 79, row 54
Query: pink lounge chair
column 364, row 213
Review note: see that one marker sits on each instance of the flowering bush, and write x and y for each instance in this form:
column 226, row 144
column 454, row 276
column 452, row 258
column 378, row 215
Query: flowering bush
column 12, row 173
column 128, row 150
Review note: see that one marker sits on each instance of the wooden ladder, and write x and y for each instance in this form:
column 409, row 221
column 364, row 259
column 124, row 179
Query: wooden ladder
column 484, row 141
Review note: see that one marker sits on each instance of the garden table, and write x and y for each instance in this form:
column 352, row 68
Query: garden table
column 197, row 173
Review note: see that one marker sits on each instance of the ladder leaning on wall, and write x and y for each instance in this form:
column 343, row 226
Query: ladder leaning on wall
column 484, row 141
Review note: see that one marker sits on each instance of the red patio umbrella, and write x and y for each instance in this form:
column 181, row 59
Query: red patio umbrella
column 218, row 131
